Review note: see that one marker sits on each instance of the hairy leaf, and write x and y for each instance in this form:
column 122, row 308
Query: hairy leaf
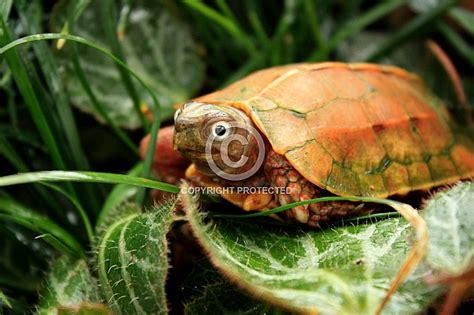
column 116, row 214
column 208, row 292
column 343, row 270
column 85, row 309
column 133, row 263
column 68, row 285
column 450, row 220
column 119, row 195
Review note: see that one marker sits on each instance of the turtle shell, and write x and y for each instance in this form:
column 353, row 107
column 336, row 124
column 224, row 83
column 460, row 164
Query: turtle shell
column 354, row 129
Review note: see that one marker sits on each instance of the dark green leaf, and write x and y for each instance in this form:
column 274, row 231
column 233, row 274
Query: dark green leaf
column 166, row 61
column 208, row 292
column 115, row 214
column 342, row 270
column 133, row 262
column 120, row 194
column 68, row 284
column 450, row 220
column 84, row 309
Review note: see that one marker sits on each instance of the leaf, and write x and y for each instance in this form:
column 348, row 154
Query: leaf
column 115, row 214
column 343, row 270
column 68, row 284
column 156, row 45
column 133, row 262
column 207, row 292
column 450, row 220
column 85, row 309
column 464, row 17
column 120, row 194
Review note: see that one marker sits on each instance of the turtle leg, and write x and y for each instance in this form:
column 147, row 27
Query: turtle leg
column 292, row 187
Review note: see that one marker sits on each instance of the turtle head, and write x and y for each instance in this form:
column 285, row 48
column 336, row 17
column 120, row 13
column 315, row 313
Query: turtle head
column 220, row 140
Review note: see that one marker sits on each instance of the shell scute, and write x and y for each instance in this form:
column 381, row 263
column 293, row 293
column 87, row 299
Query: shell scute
column 343, row 178
column 343, row 129
column 372, row 184
column 305, row 157
column 396, row 179
column 288, row 124
column 440, row 166
column 419, row 174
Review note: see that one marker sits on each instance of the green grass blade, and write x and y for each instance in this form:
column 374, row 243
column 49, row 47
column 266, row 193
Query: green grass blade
column 355, row 26
column 11, row 155
column 5, row 8
column 157, row 108
column 65, row 124
column 257, row 26
column 98, row 105
column 4, row 300
column 150, row 154
column 463, row 48
column 224, row 7
column 80, row 209
column 11, row 210
column 26, row 89
column 225, row 22
column 55, row 84
column 107, row 9
column 85, row 177
column 312, row 16
column 119, row 194
column 464, row 17
column 307, row 202
column 410, row 29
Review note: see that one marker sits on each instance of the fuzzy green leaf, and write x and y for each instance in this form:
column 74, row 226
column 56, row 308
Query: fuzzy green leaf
column 133, row 262
column 68, row 285
column 343, row 270
column 156, row 45
column 208, row 292
column 119, row 195
column 85, row 309
column 450, row 221
column 115, row 214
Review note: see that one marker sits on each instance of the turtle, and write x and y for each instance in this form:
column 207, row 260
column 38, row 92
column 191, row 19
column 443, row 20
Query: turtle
column 330, row 128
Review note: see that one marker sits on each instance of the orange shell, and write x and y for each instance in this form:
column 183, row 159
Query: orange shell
column 354, row 129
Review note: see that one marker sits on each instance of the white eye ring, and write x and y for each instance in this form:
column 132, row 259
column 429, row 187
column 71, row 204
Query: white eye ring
column 220, row 130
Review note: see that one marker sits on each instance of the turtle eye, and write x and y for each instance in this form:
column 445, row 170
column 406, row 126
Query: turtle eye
column 220, row 130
